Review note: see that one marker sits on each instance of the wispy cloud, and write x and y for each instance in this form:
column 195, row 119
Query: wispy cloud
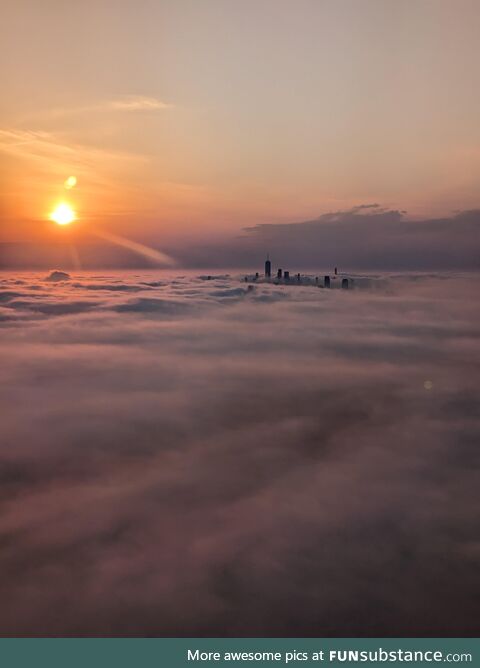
column 52, row 151
column 125, row 103
column 138, row 103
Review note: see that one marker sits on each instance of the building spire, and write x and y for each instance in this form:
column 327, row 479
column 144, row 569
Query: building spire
column 268, row 267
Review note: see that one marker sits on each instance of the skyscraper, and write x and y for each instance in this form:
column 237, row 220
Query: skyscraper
column 268, row 268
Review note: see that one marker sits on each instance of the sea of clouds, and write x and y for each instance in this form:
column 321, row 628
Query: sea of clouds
column 185, row 457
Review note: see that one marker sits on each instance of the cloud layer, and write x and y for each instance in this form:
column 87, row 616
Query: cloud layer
column 182, row 456
column 365, row 238
column 370, row 236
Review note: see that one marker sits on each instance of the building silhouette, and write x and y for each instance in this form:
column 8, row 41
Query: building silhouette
column 268, row 268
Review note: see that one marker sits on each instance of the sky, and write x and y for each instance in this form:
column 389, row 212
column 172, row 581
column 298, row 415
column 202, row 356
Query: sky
column 185, row 122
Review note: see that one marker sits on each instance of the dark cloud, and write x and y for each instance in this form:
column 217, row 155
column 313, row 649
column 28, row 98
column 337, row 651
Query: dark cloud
column 112, row 287
column 229, row 292
column 371, row 237
column 49, row 308
column 367, row 237
column 151, row 305
column 9, row 295
column 56, row 276
column 299, row 462
column 210, row 277
column 153, row 284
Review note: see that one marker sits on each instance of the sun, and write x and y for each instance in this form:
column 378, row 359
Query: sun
column 63, row 214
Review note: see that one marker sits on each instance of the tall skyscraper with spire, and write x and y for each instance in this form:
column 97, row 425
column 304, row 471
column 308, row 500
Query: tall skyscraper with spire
column 268, row 267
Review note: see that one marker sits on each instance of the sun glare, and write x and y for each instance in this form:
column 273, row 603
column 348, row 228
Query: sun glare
column 63, row 214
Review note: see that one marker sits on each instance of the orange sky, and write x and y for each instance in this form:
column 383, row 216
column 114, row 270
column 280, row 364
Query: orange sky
column 190, row 119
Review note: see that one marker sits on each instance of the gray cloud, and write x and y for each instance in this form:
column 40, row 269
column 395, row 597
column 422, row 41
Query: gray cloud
column 56, row 276
column 151, row 305
column 372, row 237
column 197, row 461
column 367, row 238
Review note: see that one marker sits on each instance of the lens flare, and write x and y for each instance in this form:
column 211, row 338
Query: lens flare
column 63, row 214
column 71, row 182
